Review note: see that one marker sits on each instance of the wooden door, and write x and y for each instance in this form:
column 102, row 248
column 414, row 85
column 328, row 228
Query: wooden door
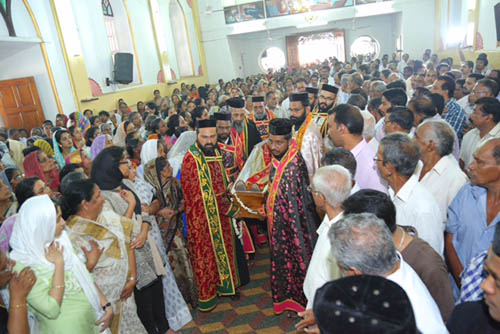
column 20, row 105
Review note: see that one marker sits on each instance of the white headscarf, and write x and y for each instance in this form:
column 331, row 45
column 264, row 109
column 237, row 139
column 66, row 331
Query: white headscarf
column 33, row 233
column 149, row 152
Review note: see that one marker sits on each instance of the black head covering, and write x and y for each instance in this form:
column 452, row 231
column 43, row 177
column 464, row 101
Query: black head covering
column 106, row 168
column 206, row 123
column 222, row 116
column 257, row 99
column 363, row 304
column 302, row 97
column 236, row 102
column 280, row 127
column 329, row 88
column 312, row 90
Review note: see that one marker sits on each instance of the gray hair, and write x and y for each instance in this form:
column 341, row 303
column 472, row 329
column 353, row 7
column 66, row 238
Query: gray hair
column 69, row 178
column 378, row 86
column 363, row 242
column 357, row 78
column 441, row 133
column 104, row 126
column 334, row 183
column 401, row 151
column 368, row 125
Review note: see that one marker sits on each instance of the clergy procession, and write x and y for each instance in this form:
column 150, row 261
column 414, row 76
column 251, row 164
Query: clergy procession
column 376, row 195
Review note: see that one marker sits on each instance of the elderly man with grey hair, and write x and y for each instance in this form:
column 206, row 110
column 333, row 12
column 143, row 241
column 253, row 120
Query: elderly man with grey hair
column 362, row 245
column 369, row 129
column 397, row 158
column 377, row 87
column 440, row 173
column 330, row 186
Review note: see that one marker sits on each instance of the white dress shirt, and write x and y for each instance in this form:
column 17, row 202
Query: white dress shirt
column 427, row 315
column 415, row 206
column 285, row 108
column 472, row 141
column 444, row 181
column 323, row 266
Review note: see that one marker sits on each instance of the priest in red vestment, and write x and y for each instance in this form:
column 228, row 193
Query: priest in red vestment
column 261, row 116
column 208, row 208
column 230, row 146
column 245, row 127
column 292, row 219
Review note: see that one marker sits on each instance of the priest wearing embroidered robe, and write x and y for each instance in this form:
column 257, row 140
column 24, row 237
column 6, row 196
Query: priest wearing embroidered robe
column 326, row 101
column 306, row 132
column 230, row 146
column 261, row 116
column 292, row 219
column 211, row 238
column 246, row 128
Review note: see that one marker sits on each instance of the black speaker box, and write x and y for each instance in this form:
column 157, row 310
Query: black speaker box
column 124, row 68
column 497, row 20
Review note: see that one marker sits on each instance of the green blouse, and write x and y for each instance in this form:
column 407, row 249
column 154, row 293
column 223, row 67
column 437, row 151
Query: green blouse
column 75, row 315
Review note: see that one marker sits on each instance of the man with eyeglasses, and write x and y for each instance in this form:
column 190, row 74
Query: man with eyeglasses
column 261, row 116
column 327, row 97
column 483, row 315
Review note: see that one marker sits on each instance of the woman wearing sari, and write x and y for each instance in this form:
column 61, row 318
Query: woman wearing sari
column 99, row 144
column 121, row 133
column 158, row 173
column 81, row 158
column 77, row 136
column 44, row 146
column 38, row 164
column 88, row 224
column 156, row 294
column 63, row 146
column 40, row 242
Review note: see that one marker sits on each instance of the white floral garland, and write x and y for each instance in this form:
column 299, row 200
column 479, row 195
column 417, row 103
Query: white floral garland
column 239, row 230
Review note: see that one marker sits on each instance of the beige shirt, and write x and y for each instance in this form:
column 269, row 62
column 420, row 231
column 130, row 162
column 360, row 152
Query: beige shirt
column 472, row 141
column 444, row 181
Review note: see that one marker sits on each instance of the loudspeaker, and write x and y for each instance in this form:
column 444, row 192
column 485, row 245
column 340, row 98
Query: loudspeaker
column 124, row 68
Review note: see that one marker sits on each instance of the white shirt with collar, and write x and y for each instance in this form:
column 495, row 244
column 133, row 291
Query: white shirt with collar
column 285, row 108
column 323, row 266
column 443, row 181
column 472, row 141
column 427, row 315
column 416, row 206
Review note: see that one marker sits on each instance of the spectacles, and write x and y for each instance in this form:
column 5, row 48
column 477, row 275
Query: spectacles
column 19, row 177
column 311, row 190
column 44, row 190
column 377, row 160
column 329, row 99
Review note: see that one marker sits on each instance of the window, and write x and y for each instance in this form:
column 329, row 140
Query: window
column 109, row 22
column 181, row 42
column 272, row 59
column 315, row 48
column 366, row 46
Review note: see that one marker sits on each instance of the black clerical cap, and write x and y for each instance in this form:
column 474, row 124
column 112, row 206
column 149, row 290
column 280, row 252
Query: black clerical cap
column 236, row 102
column 312, row 90
column 222, row 116
column 258, row 99
column 206, row 123
column 363, row 304
column 280, row 127
column 302, row 97
column 330, row 88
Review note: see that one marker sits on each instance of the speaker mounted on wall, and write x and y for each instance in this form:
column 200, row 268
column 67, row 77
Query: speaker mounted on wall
column 124, row 68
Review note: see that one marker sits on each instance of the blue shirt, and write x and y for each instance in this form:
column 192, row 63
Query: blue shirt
column 456, row 117
column 467, row 222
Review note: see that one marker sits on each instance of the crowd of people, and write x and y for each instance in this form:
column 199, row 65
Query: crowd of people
column 379, row 190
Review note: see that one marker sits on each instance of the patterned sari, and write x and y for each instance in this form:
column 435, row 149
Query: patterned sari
column 170, row 196
column 112, row 232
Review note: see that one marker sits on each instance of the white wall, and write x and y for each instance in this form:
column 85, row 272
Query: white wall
column 413, row 19
column 251, row 45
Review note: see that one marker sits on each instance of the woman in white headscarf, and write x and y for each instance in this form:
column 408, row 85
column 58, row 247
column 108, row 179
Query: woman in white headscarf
column 40, row 242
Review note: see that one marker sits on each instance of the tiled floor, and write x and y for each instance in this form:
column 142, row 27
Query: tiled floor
column 252, row 313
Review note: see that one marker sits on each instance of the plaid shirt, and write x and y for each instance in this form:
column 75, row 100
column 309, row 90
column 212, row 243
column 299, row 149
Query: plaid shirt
column 472, row 277
column 456, row 117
